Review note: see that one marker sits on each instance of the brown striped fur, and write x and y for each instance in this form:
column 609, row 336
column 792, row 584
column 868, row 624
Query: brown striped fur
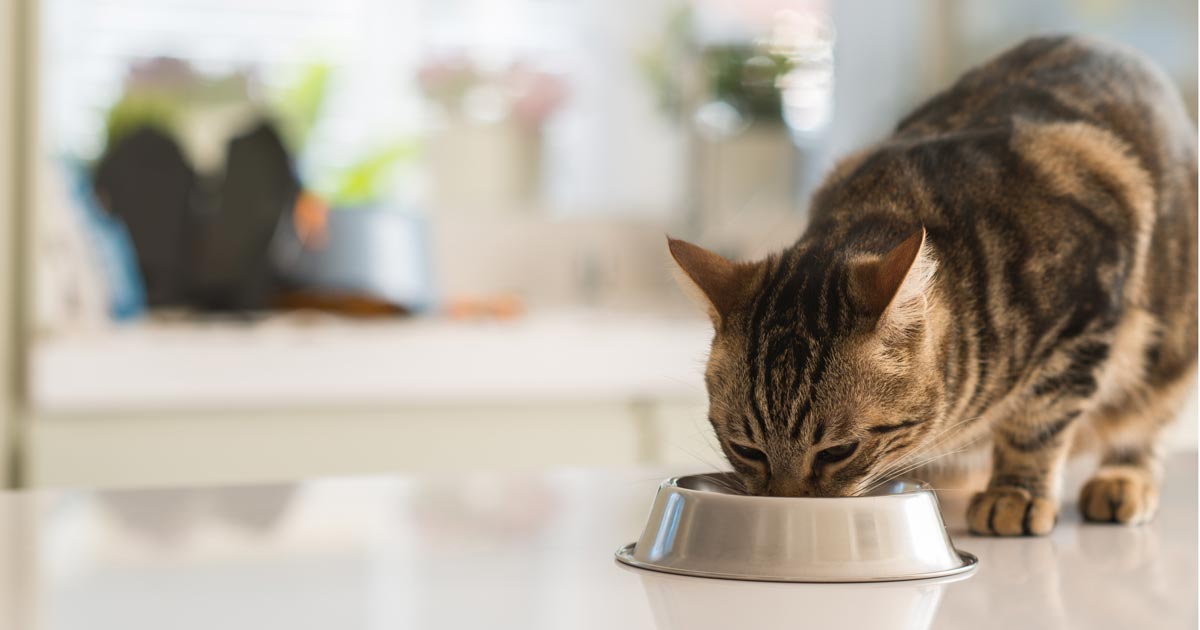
column 1015, row 265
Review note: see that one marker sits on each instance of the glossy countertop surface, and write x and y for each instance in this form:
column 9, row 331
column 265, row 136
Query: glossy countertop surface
column 529, row 552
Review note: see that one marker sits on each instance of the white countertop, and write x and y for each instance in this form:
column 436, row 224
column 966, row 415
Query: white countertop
column 528, row 552
column 324, row 361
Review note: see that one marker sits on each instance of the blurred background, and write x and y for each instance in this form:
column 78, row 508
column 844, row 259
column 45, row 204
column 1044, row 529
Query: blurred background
column 254, row 240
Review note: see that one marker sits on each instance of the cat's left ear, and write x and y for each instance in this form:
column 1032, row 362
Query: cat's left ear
column 894, row 287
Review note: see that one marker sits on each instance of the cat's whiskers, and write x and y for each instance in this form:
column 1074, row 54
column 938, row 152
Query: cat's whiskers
column 696, row 456
column 718, row 475
column 738, row 486
column 929, row 459
column 888, row 471
column 908, row 462
column 921, row 463
column 735, row 487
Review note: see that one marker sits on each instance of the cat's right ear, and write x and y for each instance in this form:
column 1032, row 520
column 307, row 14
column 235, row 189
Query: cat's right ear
column 895, row 286
column 718, row 284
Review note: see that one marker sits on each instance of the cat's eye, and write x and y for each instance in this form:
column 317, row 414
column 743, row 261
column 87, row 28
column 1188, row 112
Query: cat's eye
column 748, row 452
column 835, row 454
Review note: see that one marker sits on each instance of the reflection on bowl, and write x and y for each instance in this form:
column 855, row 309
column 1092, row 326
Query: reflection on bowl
column 680, row 603
column 699, row 527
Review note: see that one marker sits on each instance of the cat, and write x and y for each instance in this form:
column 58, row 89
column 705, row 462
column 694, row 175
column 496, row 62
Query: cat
column 1016, row 264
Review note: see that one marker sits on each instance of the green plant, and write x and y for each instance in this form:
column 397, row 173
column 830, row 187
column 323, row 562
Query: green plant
column 297, row 106
column 366, row 180
column 746, row 77
column 135, row 111
column 662, row 65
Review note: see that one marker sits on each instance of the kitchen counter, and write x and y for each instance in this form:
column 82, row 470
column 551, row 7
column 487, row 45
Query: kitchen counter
column 298, row 361
column 526, row 551
column 157, row 401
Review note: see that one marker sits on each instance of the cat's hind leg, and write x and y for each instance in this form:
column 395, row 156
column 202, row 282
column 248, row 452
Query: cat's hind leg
column 1031, row 441
column 1125, row 488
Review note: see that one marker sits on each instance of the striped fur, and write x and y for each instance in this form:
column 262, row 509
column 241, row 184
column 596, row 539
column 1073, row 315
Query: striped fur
column 1016, row 264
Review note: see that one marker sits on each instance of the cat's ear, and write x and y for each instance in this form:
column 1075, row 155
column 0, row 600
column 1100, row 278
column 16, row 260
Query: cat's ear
column 895, row 286
column 717, row 283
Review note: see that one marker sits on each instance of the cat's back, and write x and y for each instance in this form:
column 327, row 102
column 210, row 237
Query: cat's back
column 1073, row 161
column 1073, row 140
column 1057, row 180
column 1065, row 79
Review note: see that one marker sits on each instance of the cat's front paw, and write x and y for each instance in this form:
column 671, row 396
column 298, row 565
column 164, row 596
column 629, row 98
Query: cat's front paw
column 1119, row 495
column 1011, row 511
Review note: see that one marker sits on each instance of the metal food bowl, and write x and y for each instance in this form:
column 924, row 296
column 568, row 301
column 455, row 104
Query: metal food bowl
column 699, row 527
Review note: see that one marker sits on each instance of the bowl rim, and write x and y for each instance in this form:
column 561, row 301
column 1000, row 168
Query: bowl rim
column 624, row 555
column 672, row 483
column 879, row 584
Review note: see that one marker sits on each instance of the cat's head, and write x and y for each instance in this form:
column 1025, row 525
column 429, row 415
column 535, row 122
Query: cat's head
column 822, row 376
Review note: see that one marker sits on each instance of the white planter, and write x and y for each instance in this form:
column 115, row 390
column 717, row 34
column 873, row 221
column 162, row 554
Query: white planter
column 752, row 171
column 485, row 167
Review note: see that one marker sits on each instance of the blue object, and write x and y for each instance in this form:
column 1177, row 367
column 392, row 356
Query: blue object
column 113, row 247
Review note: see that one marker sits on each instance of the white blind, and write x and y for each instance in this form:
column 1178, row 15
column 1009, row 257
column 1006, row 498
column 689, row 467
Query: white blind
column 608, row 145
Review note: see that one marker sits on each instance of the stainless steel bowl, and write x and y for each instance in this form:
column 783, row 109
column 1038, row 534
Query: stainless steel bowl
column 699, row 527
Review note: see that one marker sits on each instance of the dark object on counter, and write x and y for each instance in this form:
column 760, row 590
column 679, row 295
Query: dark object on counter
column 348, row 304
column 245, row 240
column 375, row 251
column 201, row 243
column 146, row 183
column 233, row 269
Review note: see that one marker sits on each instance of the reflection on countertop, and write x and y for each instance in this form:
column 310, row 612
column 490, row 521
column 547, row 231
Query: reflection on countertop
column 526, row 551
column 701, row 604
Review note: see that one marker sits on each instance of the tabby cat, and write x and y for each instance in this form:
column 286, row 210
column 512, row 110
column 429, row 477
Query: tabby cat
column 1015, row 265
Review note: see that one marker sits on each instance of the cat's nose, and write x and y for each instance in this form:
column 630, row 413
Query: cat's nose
column 778, row 487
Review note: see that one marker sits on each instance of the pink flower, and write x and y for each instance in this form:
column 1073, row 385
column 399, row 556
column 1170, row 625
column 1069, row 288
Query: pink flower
column 536, row 94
